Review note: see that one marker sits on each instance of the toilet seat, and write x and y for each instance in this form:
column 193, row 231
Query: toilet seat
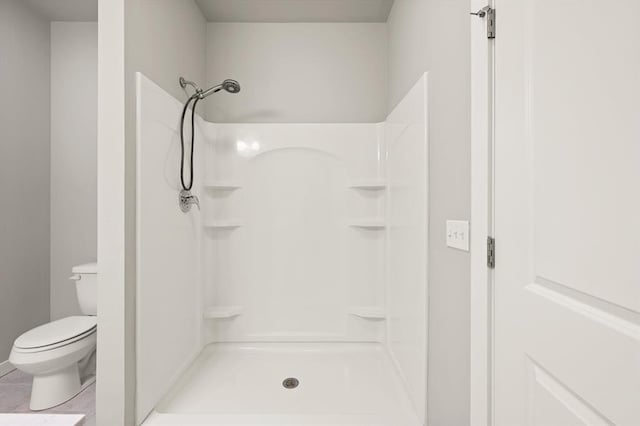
column 56, row 334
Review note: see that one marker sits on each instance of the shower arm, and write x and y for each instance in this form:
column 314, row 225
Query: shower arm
column 184, row 83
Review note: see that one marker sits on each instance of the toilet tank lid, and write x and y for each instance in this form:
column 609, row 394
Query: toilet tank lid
column 85, row 268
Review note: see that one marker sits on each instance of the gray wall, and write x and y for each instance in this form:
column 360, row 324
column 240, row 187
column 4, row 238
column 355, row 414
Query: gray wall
column 293, row 72
column 433, row 35
column 74, row 110
column 24, row 172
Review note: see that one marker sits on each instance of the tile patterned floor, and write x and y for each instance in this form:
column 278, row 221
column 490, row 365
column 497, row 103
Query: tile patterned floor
column 15, row 389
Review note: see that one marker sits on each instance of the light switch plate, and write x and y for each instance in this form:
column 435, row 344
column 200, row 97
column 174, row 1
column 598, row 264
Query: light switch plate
column 458, row 234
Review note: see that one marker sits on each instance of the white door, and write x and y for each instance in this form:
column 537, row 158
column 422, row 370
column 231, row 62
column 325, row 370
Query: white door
column 567, row 213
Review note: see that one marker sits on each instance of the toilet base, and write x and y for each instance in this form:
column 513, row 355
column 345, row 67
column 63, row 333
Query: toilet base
column 55, row 388
column 45, row 397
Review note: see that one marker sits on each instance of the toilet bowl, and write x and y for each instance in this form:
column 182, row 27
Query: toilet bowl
column 55, row 352
column 51, row 354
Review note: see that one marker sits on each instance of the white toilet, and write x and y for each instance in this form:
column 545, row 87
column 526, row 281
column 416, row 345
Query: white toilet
column 59, row 353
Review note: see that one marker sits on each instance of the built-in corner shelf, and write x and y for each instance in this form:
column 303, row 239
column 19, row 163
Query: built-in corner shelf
column 222, row 185
column 223, row 224
column 374, row 313
column 374, row 223
column 369, row 185
column 222, row 312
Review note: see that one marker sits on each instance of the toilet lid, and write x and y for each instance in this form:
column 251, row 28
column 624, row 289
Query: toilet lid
column 56, row 332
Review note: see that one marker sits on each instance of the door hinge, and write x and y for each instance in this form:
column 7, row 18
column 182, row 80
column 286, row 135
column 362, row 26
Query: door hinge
column 490, row 14
column 491, row 252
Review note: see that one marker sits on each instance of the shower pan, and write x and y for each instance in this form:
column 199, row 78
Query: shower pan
column 298, row 293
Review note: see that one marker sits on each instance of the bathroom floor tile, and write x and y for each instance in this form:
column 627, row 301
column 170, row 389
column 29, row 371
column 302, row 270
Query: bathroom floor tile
column 13, row 396
column 16, row 377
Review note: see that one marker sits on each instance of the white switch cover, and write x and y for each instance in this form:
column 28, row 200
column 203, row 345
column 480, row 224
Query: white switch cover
column 458, row 234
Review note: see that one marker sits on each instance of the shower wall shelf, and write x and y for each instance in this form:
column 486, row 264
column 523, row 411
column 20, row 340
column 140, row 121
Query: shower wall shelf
column 224, row 224
column 370, row 185
column 374, row 313
column 222, row 312
column 222, row 185
column 370, row 223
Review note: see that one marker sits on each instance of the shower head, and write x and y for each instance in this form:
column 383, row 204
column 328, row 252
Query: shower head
column 229, row 85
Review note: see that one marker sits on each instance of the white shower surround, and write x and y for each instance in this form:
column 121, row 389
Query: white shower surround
column 308, row 233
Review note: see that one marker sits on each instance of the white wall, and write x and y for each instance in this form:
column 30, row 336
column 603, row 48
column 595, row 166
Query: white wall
column 293, row 72
column 115, row 394
column 163, row 39
column 24, row 172
column 74, row 92
column 407, row 156
column 433, row 35
column 311, row 266
column 168, row 305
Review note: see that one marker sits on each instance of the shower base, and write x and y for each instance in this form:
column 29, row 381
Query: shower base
column 244, row 384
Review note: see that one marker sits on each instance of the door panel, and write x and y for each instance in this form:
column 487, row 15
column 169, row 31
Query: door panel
column 567, row 212
column 584, row 73
column 554, row 404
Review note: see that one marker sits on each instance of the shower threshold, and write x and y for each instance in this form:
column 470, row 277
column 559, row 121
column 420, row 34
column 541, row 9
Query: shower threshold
column 288, row 384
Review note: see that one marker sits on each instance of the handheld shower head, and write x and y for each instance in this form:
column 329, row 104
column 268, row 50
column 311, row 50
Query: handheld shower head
column 229, row 85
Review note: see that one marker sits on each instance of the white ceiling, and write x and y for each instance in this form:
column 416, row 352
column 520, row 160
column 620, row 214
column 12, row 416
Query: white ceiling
column 66, row 10
column 295, row 10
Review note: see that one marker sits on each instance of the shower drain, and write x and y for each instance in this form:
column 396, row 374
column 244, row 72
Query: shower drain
column 290, row 383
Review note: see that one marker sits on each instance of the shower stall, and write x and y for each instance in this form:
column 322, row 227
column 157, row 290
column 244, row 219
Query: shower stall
column 297, row 292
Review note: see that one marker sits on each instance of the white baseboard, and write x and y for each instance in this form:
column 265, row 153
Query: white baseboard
column 6, row 367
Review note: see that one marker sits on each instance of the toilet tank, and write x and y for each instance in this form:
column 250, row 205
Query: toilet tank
column 85, row 277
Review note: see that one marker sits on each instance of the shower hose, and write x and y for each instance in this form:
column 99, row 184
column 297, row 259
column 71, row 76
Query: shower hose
column 195, row 98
